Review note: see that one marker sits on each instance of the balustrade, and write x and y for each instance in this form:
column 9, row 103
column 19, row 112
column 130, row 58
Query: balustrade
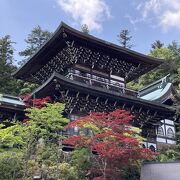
column 102, row 82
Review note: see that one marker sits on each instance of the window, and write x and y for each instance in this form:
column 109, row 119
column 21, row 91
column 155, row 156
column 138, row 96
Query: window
column 152, row 148
column 170, row 133
column 160, row 131
column 73, row 117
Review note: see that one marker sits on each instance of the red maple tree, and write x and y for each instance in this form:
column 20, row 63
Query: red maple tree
column 115, row 142
column 35, row 102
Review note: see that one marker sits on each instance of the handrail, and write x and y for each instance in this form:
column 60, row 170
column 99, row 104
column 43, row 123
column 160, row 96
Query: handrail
column 105, row 83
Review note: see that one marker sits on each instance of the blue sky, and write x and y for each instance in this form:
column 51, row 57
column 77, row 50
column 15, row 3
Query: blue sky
column 148, row 20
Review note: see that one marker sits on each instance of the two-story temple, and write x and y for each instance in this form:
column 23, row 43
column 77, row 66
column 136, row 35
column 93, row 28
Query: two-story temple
column 89, row 74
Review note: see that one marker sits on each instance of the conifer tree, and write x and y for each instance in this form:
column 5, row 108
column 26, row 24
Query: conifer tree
column 34, row 41
column 124, row 38
column 7, row 83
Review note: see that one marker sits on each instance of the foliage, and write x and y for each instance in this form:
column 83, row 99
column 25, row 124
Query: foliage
column 35, row 102
column 14, row 137
column 132, row 172
column 34, row 41
column 50, row 165
column 81, row 160
column 26, row 87
column 48, row 121
column 171, row 57
column 11, row 165
column 157, row 45
column 7, row 67
column 45, row 123
column 62, row 171
column 124, row 38
column 34, row 144
column 111, row 138
column 169, row 154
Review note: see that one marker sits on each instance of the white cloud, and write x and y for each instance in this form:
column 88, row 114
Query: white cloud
column 151, row 6
column 90, row 12
column 170, row 19
column 165, row 13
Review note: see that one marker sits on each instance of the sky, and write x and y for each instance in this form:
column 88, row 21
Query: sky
column 147, row 20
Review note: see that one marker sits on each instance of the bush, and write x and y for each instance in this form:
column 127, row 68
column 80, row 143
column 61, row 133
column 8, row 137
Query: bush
column 11, row 165
column 60, row 171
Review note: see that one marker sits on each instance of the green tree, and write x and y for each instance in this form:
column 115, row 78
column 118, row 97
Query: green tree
column 157, row 44
column 175, row 63
column 81, row 161
column 48, row 121
column 124, row 38
column 171, row 154
column 166, row 68
column 34, row 144
column 26, row 87
column 171, row 57
column 34, row 41
column 11, row 166
column 7, row 83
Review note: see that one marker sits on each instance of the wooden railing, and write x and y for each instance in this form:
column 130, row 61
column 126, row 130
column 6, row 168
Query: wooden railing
column 98, row 83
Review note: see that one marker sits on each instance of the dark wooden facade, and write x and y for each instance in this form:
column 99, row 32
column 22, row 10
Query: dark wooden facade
column 11, row 109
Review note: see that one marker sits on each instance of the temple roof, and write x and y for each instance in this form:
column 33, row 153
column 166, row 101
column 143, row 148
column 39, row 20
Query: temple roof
column 11, row 102
column 159, row 91
column 137, row 62
column 48, row 88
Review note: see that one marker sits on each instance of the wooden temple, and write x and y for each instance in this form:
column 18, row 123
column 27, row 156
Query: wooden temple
column 89, row 74
column 162, row 91
column 11, row 109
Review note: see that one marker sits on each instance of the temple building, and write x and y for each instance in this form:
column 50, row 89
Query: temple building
column 89, row 74
column 162, row 91
column 11, row 109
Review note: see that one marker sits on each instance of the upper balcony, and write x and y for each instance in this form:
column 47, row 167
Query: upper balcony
column 97, row 81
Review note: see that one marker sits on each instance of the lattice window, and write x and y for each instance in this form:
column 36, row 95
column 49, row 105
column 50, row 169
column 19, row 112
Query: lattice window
column 170, row 133
column 160, row 131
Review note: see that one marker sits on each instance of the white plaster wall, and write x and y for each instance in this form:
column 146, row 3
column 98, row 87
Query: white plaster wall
column 167, row 121
column 168, row 124
column 162, row 140
column 171, row 141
